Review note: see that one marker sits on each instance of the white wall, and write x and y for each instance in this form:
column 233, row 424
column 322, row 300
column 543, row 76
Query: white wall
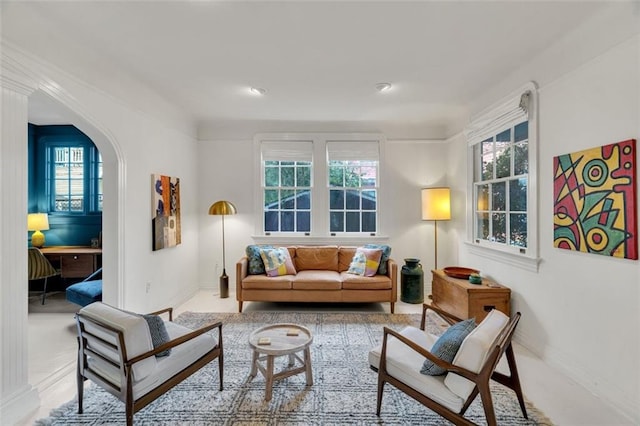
column 226, row 171
column 580, row 311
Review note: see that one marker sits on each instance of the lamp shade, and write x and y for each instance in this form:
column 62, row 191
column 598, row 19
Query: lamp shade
column 37, row 222
column 436, row 204
column 222, row 208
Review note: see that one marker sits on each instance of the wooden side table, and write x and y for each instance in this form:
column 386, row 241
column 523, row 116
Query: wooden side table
column 283, row 339
column 466, row 300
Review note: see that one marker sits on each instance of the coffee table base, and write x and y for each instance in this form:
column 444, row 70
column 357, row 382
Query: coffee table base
column 268, row 370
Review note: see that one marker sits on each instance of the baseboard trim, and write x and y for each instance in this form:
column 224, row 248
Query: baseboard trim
column 19, row 406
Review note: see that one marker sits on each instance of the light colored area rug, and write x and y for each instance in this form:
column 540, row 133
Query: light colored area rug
column 343, row 392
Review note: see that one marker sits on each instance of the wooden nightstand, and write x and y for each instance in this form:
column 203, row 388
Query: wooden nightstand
column 466, row 300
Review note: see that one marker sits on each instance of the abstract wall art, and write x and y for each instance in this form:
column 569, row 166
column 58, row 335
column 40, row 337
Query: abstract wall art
column 165, row 224
column 595, row 200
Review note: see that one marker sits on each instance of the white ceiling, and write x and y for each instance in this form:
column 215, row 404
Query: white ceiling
column 319, row 61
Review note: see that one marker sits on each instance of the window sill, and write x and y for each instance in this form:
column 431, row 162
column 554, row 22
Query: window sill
column 512, row 259
column 311, row 240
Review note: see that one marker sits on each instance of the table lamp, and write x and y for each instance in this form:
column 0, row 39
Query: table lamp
column 223, row 208
column 436, row 205
column 37, row 222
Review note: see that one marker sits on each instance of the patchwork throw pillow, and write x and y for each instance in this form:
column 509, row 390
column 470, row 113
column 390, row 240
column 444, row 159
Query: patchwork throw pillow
column 386, row 253
column 158, row 331
column 365, row 262
column 447, row 346
column 277, row 261
column 256, row 265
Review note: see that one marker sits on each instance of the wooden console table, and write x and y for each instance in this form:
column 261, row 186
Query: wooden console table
column 466, row 300
column 74, row 261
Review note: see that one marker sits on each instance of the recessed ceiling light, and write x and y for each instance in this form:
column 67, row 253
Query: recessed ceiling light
column 383, row 87
column 257, row 91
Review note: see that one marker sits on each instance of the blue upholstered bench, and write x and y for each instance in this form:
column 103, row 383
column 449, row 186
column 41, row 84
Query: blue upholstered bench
column 85, row 292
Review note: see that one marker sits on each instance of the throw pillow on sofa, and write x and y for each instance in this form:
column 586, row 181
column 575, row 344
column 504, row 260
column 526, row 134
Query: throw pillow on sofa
column 386, row 253
column 365, row 262
column 277, row 261
column 256, row 265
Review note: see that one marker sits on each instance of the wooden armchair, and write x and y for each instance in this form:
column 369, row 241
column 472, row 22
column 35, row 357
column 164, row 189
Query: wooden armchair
column 121, row 352
column 399, row 359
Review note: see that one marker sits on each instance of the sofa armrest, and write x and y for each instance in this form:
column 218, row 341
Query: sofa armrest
column 242, row 270
column 392, row 273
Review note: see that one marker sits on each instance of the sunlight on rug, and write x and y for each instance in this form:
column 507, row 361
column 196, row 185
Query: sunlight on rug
column 344, row 389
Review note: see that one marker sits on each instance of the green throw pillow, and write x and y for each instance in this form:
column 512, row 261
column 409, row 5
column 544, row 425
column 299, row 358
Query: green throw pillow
column 447, row 345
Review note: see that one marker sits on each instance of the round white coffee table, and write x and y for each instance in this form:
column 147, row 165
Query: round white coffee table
column 276, row 340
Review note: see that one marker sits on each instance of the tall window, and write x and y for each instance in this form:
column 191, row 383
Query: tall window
column 319, row 185
column 353, row 186
column 74, row 178
column 502, row 149
column 287, row 186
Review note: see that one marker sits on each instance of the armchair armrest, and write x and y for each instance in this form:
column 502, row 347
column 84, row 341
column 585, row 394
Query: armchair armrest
column 162, row 311
column 178, row 341
column 450, row 318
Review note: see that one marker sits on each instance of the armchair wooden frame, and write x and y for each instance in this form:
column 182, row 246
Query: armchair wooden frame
column 501, row 345
column 124, row 392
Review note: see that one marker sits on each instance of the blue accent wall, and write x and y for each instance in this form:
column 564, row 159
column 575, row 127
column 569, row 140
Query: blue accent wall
column 66, row 229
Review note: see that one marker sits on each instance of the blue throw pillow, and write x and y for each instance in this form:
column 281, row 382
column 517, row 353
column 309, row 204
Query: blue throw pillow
column 158, row 331
column 256, row 265
column 447, row 345
column 386, row 253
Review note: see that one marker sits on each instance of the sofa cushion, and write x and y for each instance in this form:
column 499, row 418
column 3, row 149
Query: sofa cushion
column 357, row 282
column 474, row 350
column 277, row 261
column 256, row 265
column 365, row 262
column 386, row 253
column 317, row 280
column 137, row 338
column 323, row 258
column 263, row 282
column 447, row 346
column 345, row 255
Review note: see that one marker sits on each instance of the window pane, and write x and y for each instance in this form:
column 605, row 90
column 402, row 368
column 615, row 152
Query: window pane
column 518, row 195
column 368, row 222
column 518, row 224
column 482, row 226
column 369, row 200
column 271, row 199
column 286, row 221
column 353, row 200
column 352, row 177
column 499, row 227
column 503, row 160
column 521, row 131
column 521, row 159
column 353, row 222
column 499, row 200
column 336, row 175
column 336, row 201
column 504, row 136
column 303, row 199
column 288, row 200
column 287, row 176
column 482, row 197
column 337, row 221
column 303, row 176
column 271, row 176
column 487, row 159
column 303, row 220
column 271, row 221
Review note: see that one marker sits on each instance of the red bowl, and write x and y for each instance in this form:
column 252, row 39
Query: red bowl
column 459, row 272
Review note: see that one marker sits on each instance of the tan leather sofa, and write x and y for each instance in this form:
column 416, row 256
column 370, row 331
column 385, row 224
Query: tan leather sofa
column 321, row 277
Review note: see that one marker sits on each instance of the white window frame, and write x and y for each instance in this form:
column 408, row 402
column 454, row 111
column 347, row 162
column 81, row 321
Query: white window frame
column 320, row 233
column 492, row 121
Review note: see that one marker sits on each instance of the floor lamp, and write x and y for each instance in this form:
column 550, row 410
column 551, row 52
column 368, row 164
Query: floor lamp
column 436, row 205
column 223, row 208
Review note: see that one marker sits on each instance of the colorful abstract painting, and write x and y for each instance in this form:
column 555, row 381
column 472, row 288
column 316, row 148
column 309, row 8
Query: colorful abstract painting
column 595, row 205
column 165, row 224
